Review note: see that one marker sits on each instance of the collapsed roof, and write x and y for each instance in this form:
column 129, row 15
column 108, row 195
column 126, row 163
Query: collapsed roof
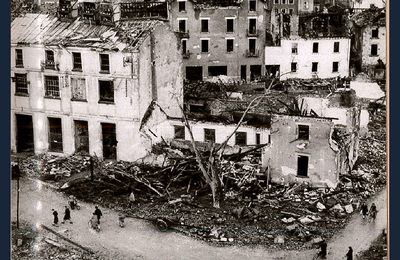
column 48, row 30
column 370, row 17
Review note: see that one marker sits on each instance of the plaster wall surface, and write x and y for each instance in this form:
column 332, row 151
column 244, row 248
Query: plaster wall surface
column 368, row 41
column 282, row 155
column 283, row 56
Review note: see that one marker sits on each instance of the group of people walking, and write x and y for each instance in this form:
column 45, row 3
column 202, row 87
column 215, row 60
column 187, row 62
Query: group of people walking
column 94, row 221
column 371, row 212
column 364, row 211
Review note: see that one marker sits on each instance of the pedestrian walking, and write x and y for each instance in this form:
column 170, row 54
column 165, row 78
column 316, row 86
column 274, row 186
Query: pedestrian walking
column 98, row 213
column 323, row 247
column 372, row 212
column 131, row 199
column 364, row 210
column 349, row 254
column 55, row 217
column 67, row 215
column 121, row 220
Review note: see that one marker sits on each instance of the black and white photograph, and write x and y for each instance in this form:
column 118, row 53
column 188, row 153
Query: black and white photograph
column 199, row 129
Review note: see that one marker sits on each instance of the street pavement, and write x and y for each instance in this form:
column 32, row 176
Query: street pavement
column 140, row 240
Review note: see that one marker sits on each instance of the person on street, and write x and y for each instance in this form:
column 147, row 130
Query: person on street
column 121, row 220
column 67, row 215
column 372, row 212
column 323, row 247
column 55, row 217
column 349, row 254
column 94, row 222
column 98, row 213
column 364, row 210
column 131, row 199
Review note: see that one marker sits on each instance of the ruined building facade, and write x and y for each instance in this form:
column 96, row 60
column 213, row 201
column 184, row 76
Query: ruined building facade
column 308, row 58
column 79, row 87
column 221, row 37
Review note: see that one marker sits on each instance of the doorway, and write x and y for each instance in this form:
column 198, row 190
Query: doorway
column 109, row 141
column 302, row 165
column 25, row 141
column 81, row 137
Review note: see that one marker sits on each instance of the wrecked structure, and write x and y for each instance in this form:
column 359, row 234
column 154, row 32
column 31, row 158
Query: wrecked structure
column 221, row 37
column 369, row 42
column 80, row 87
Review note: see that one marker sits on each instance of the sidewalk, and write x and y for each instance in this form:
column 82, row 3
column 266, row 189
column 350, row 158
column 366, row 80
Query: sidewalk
column 140, row 240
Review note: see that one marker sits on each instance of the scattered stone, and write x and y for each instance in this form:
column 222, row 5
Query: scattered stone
column 317, row 240
column 279, row 240
column 320, row 206
column 19, row 242
column 349, row 209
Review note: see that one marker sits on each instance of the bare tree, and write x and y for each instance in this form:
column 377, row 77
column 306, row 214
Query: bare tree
column 211, row 166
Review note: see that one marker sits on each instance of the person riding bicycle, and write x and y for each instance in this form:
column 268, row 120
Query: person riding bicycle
column 94, row 223
column 73, row 203
column 372, row 211
column 323, row 245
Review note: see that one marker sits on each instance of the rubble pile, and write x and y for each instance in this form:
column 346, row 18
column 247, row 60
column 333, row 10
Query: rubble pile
column 31, row 243
column 254, row 211
column 56, row 167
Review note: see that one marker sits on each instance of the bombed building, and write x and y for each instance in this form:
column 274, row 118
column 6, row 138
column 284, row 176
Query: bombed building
column 78, row 86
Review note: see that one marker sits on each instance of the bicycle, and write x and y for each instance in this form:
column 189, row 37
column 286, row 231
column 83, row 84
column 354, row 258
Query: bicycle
column 95, row 227
column 317, row 256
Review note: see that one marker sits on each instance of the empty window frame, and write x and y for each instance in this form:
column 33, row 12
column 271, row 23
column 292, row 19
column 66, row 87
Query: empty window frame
column 204, row 25
column 283, row 2
column 104, row 63
column 315, row 47
column 182, row 6
column 252, row 25
column 209, row 135
column 276, row 11
column 291, row 2
column 303, row 132
column 335, row 66
column 293, row 67
column 336, row 47
column 204, row 45
column 19, row 60
column 252, row 46
column 229, row 25
column 294, row 47
column 52, row 86
column 106, row 91
column 375, row 33
column 252, row 5
column 374, row 49
column 184, row 46
column 179, row 132
column 55, row 135
column 258, row 138
column 21, row 84
column 78, row 88
column 277, row 2
column 283, row 10
column 182, row 25
column 77, row 61
column 49, row 63
column 314, row 67
column 291, row 10
column 229, row 45
column 241, row 138
column 302, row 165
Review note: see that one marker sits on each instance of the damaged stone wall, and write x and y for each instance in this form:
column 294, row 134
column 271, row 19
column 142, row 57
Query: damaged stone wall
column 345, row 141
column 283, row 154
